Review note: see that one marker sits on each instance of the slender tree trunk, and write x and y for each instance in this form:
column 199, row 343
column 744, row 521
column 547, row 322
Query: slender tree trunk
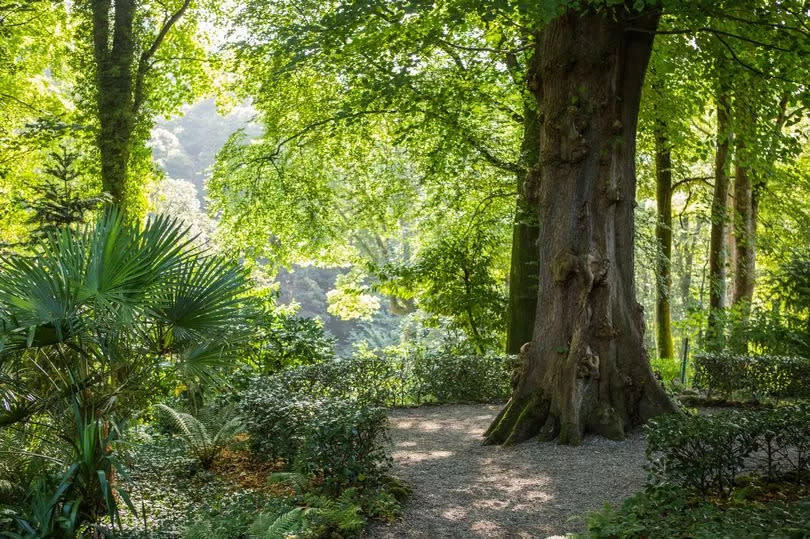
column 586, row 370
column 731, row 246
column 717, row 243
column 525, row 250
column 663, row 236
column 114, row 87
column 744, row 229
column 122, row 63
column 686, row 257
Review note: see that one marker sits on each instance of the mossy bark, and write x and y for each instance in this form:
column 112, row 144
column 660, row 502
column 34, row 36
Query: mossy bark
column 122, row 62
column 525, row 250
column 114, row 54
column 745, row 228
column 586, row 369
column 663, row 236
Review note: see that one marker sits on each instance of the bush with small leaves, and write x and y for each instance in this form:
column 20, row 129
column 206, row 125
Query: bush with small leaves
column 344, row 443
column 777, row 377
column 444, row 377
column 341, row 440
column 674, row 512
column 273, row 419
column 704, row 452
column 709, row 452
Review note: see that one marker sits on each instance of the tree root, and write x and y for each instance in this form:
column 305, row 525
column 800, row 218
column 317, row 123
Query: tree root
column 521, row 419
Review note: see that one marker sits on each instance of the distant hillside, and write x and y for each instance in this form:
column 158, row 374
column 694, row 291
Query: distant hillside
column 186, row 146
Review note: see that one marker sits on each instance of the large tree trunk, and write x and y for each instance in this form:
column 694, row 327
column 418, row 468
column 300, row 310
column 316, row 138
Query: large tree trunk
column 586, row 370
column 525, row 250
column 663, row 236
column 717, row 242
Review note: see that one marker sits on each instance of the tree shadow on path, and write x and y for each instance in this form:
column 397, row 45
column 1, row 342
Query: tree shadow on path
column 464, row 489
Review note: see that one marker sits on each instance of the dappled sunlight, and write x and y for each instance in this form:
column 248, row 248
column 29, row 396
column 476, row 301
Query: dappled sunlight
column 491, row 504
column 465, row 489
column 454, row 513
column 438, row 425
column 419, row 456
column 486, row 527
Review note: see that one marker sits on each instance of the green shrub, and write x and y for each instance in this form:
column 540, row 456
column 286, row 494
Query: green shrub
column 340, row 440
column 703, row 452
column 273, row 419
column 708, row 452
column 674, row 512
column 443, row 377
column 774, row 376
column 344, row 444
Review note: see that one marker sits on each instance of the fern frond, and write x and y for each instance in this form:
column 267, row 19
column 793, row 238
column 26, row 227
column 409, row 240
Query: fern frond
column 230, row 429
column 297, row 481
column 198, row 530
column 187, row 424
column 287, row 524
column 197, row 431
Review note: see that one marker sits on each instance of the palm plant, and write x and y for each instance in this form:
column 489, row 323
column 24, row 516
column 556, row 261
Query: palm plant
column 109, row 311
column 106, row 316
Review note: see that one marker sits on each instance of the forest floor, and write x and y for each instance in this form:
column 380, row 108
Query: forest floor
column 462, row 488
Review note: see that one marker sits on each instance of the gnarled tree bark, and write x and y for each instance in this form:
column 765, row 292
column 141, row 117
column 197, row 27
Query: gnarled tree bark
column 586, row 370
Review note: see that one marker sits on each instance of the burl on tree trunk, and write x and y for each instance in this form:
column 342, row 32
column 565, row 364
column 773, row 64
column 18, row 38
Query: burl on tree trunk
column 586, row 369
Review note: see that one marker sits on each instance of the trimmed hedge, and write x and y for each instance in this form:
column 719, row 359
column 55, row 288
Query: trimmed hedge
column 773, row 376
column 708, row 452
column 454, row 378
column 341, row 441
column 396, row 381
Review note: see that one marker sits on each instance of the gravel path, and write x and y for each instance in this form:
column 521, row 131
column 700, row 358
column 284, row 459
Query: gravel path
column 464, row 489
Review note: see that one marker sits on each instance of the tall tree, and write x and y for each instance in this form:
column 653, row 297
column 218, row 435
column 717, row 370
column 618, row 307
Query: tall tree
column 129, row 73
column 663, row 235
column 719, row 221
column 589, row 372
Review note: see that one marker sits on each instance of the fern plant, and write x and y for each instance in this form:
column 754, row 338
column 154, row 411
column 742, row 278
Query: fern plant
column 207, row 434
column 271, row 525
